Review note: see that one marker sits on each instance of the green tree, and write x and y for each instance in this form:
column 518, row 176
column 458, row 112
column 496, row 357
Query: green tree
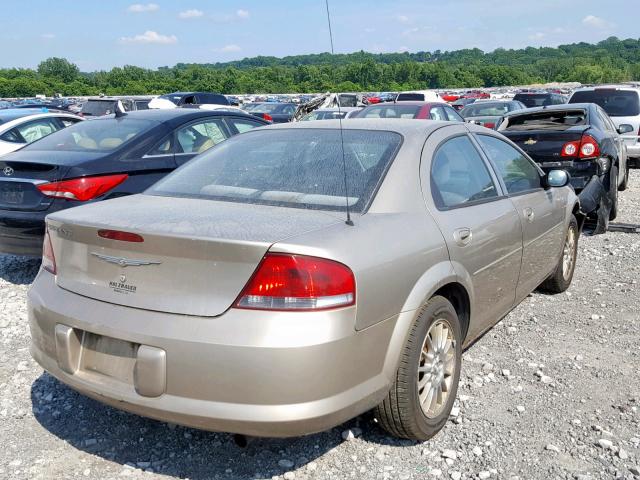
column 58, row 68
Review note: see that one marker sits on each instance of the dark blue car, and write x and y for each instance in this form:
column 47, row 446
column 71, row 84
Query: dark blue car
column 100, row 159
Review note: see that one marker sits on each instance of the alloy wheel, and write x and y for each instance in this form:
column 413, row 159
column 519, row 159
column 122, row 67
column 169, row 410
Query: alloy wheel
column 568, row 256
column 436, row 368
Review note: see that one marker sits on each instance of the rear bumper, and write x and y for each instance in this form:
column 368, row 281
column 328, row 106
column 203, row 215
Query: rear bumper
column 21, row 233
column 633, row 151
column 248, row 372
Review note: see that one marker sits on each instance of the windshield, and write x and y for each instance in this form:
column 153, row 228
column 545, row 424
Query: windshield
column 485, row 109
column 617, row 103
column 534, row 100
column 100, row 135
column 390, row 111
column 98, row 107
column 548, row 119
column 300, row 168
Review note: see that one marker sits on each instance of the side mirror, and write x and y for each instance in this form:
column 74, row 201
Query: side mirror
column 557, row 178
column 625, row 128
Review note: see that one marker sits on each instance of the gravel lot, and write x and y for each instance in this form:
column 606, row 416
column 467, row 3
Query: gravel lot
column 553, row 391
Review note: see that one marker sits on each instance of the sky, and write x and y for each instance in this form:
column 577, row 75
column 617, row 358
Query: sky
column 101, row 34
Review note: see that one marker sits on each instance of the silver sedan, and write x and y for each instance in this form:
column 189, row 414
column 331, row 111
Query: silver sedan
column 296, row 276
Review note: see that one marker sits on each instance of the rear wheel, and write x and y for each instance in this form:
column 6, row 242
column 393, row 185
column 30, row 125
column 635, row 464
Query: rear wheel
column 625, row 181
column 561, row 278
column 613, row 193
column 420, row 400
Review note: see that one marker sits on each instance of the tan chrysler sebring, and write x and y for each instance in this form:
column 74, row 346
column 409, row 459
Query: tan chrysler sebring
column 235, row 295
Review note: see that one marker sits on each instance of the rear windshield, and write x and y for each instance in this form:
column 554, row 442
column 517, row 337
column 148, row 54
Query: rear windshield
column 403, row 97
column 98, row 107
column 485, row 109
column 534, row 100
column 275, row 108
column 100, row 135
column 548, row 119
column 300, row 168
column 172, row 98
column 390, row 111
column 324, row 115
column 617, row 103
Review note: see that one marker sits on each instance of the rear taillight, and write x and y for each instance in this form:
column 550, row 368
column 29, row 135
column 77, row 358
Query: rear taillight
column 298, row 282
column 267, row 117
column 587, row 147
column 48, row 259
column 489, row 125
column 83, row 189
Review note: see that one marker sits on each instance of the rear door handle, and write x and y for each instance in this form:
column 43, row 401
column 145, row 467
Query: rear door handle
column 529, row 213
column 462, row 236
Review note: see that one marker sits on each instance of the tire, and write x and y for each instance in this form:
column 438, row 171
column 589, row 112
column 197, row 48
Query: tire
column 625, row 181
column 613, row 193
column 401, row 413
column 562, row 276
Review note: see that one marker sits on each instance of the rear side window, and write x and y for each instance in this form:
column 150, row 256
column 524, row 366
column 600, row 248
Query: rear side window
column 459, row 175
column 300, row 168
column 437, row 113
column 199, row 137
column 35, row 130
column 453, row 115
column 517, row 171
column 617, row 103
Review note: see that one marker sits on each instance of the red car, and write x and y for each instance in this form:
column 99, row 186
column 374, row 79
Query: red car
column 476, row 94
column 419, row 110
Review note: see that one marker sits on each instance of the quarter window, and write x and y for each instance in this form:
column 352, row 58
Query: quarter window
column 459, row 175
column 437, row 113
column 517, row 171
column 244, row 125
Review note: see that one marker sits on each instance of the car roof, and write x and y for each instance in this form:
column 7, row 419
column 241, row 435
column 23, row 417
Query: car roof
column 408, row 102
column 607, row 87
column 11, row 114
column 403, row 126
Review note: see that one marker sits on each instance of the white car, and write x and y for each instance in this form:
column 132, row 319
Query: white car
column 622, row 104
column 21, row 126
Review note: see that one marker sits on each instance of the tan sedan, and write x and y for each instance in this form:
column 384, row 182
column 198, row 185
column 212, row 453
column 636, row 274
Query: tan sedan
column 234, row 295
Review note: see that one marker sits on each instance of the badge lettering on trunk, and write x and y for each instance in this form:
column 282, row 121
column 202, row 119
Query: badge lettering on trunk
column 121, row 286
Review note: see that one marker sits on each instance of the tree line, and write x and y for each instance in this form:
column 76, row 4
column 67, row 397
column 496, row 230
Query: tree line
column 611, row 60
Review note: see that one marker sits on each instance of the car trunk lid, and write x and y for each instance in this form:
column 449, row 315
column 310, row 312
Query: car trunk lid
column 545, row 145
column 22, row 172
column 195, row 257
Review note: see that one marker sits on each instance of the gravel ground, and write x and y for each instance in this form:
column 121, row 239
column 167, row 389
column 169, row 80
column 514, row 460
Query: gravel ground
column 551, row 392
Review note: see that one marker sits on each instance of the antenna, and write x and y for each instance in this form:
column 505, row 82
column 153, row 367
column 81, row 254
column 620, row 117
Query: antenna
column 344, row 162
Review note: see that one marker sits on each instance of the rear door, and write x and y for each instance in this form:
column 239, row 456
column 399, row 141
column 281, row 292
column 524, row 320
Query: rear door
column 541, row 212
column 480, row 224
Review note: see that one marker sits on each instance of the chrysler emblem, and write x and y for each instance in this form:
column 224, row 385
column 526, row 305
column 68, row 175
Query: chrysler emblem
column 125, row 262
column 8, row 171
column 531, row 141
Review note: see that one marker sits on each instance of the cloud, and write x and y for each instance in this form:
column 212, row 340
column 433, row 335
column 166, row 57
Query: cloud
column 231, row 48
column 193, row 13
column 140, row 8
column 369, row 29
column 239, row 15
column 537, row 36
column 150, row 37
column 596, row 22
column 402, row 18
column 48, row 36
